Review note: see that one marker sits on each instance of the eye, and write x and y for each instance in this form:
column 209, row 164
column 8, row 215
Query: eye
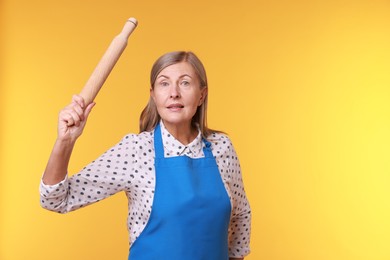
column 185, row 83
column 164, row 83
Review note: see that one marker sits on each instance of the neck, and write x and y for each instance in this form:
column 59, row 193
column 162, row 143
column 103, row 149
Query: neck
column 185, row 133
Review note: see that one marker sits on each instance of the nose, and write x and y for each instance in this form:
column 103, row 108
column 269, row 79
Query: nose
column 175, row 91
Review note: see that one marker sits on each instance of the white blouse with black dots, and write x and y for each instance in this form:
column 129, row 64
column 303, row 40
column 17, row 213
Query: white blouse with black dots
column 129, row 167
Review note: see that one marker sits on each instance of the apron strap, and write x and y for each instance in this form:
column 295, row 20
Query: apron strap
column 158, row 145
column 207, row 149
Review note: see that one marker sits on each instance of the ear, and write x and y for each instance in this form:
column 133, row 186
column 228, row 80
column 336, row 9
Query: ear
column 152, row 94
column 203, row 95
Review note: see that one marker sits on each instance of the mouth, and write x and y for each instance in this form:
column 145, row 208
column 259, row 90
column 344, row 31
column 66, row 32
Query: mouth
column 175, row 107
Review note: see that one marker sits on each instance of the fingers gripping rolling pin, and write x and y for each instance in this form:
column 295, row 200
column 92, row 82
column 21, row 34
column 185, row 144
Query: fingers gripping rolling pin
column 107, row 62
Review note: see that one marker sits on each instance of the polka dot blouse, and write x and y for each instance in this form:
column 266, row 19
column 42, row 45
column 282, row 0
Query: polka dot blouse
column 129, row 166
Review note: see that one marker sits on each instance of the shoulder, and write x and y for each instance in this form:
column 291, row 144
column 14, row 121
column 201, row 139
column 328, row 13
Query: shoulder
column 220, row 143
column 216, row 138
column 132, row 138
column 135, row 141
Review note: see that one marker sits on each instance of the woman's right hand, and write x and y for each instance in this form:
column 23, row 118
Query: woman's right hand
column 72, row 119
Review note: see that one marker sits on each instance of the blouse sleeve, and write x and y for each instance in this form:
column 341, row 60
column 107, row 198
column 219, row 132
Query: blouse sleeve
column 99, row 180
column 240, row 222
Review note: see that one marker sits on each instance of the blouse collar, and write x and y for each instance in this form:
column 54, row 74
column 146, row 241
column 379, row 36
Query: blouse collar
column 173, row 147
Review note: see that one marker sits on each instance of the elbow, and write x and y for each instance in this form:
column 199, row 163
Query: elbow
column 52, row 206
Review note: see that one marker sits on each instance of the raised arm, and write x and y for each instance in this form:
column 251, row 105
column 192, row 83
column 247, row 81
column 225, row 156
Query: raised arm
column 72, row 118
column 71, row 123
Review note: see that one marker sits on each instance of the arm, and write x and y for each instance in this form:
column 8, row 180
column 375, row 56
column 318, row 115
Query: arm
column 95, row 182
column 240, row 222
column 71, row 123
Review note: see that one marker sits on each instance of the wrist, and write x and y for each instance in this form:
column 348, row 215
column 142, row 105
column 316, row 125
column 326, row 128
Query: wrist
column 65, row 141
column 64, row 144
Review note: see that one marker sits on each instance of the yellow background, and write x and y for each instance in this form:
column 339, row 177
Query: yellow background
column 302, row 87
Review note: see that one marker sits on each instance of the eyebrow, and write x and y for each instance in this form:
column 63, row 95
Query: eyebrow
column 182, row 76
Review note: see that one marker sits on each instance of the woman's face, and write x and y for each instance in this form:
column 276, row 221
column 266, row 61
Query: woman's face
column 177, row 94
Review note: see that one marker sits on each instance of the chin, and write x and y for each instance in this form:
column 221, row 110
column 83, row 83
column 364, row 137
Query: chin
column 175, row 120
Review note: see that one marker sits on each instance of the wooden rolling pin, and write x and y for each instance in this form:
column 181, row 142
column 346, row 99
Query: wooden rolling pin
column 107, row 62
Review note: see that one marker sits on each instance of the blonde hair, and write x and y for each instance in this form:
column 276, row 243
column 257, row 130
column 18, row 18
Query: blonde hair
column 150, row 118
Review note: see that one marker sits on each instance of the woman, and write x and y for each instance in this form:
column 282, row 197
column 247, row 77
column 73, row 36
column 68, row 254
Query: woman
column 183, row 180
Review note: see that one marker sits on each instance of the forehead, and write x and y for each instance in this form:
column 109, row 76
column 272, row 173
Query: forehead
column 177, row 70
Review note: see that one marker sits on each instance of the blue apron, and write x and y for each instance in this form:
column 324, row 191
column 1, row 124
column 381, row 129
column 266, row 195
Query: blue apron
column 190, row 213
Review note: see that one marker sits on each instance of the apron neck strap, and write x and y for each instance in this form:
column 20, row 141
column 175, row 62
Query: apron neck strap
column 158, row 145
column 207, row 148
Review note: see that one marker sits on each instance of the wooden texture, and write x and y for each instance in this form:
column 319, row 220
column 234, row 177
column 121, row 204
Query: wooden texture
column 107, row 62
